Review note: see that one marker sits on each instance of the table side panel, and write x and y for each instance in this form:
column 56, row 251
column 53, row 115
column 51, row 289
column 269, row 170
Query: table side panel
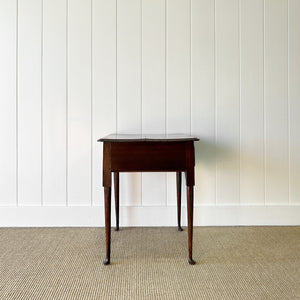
column 107, row 164
column 190, row 164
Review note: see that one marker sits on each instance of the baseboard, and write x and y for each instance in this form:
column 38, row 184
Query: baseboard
column 49, row 216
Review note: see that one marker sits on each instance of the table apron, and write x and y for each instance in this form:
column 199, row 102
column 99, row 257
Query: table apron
column 148, row 170
column 132, row 157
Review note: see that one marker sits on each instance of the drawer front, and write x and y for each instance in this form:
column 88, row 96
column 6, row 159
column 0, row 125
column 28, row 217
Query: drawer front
column 148, row 156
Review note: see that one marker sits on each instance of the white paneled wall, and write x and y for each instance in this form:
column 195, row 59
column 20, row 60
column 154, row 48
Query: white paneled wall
column 276, row 102
column 54, row 112
column 8, row 105
column 29, row 104
column 227, row 109
column 252, row 102
column 294, row 99
column 79, row 104
column 72, row 71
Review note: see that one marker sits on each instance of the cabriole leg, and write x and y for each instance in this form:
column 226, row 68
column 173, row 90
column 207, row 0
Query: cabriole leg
column 178, row 185
column 116, row 184
column 107, row 195
column 190, row 208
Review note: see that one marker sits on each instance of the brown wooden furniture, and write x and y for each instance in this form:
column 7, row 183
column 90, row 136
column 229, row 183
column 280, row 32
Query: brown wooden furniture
column 151, row 153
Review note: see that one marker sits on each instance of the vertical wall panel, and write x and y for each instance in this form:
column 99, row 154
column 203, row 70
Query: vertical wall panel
column 276, row 101
column 54, row 102
column 29, row 101
column 227, row 101
column 178, row 66
column 178, row 78
column 8, row 130
column 103, row 84
column 153, row 90
column 252, row 103
column 294, row 99
column 79, row 102
column 129, row 87
column 203, row 99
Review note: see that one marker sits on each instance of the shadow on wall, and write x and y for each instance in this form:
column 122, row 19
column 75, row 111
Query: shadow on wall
column 207, row 152
column 242, row 173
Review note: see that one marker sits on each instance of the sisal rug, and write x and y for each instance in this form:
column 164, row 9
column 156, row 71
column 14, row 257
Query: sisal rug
column 150, row 263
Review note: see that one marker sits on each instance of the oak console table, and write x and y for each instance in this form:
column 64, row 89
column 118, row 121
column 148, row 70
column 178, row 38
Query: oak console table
column 148, row 153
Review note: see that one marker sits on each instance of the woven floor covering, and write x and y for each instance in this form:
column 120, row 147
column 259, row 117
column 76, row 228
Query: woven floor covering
column 150, row 263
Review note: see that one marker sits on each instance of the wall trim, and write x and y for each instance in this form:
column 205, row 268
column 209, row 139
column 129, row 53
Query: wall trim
column 83, row 216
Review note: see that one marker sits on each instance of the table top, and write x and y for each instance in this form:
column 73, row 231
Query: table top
column 148, row 138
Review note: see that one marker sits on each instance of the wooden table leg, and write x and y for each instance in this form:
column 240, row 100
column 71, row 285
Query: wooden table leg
column 190, row 206
column 116, row 185
column 178, row 184
column 107, row 195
